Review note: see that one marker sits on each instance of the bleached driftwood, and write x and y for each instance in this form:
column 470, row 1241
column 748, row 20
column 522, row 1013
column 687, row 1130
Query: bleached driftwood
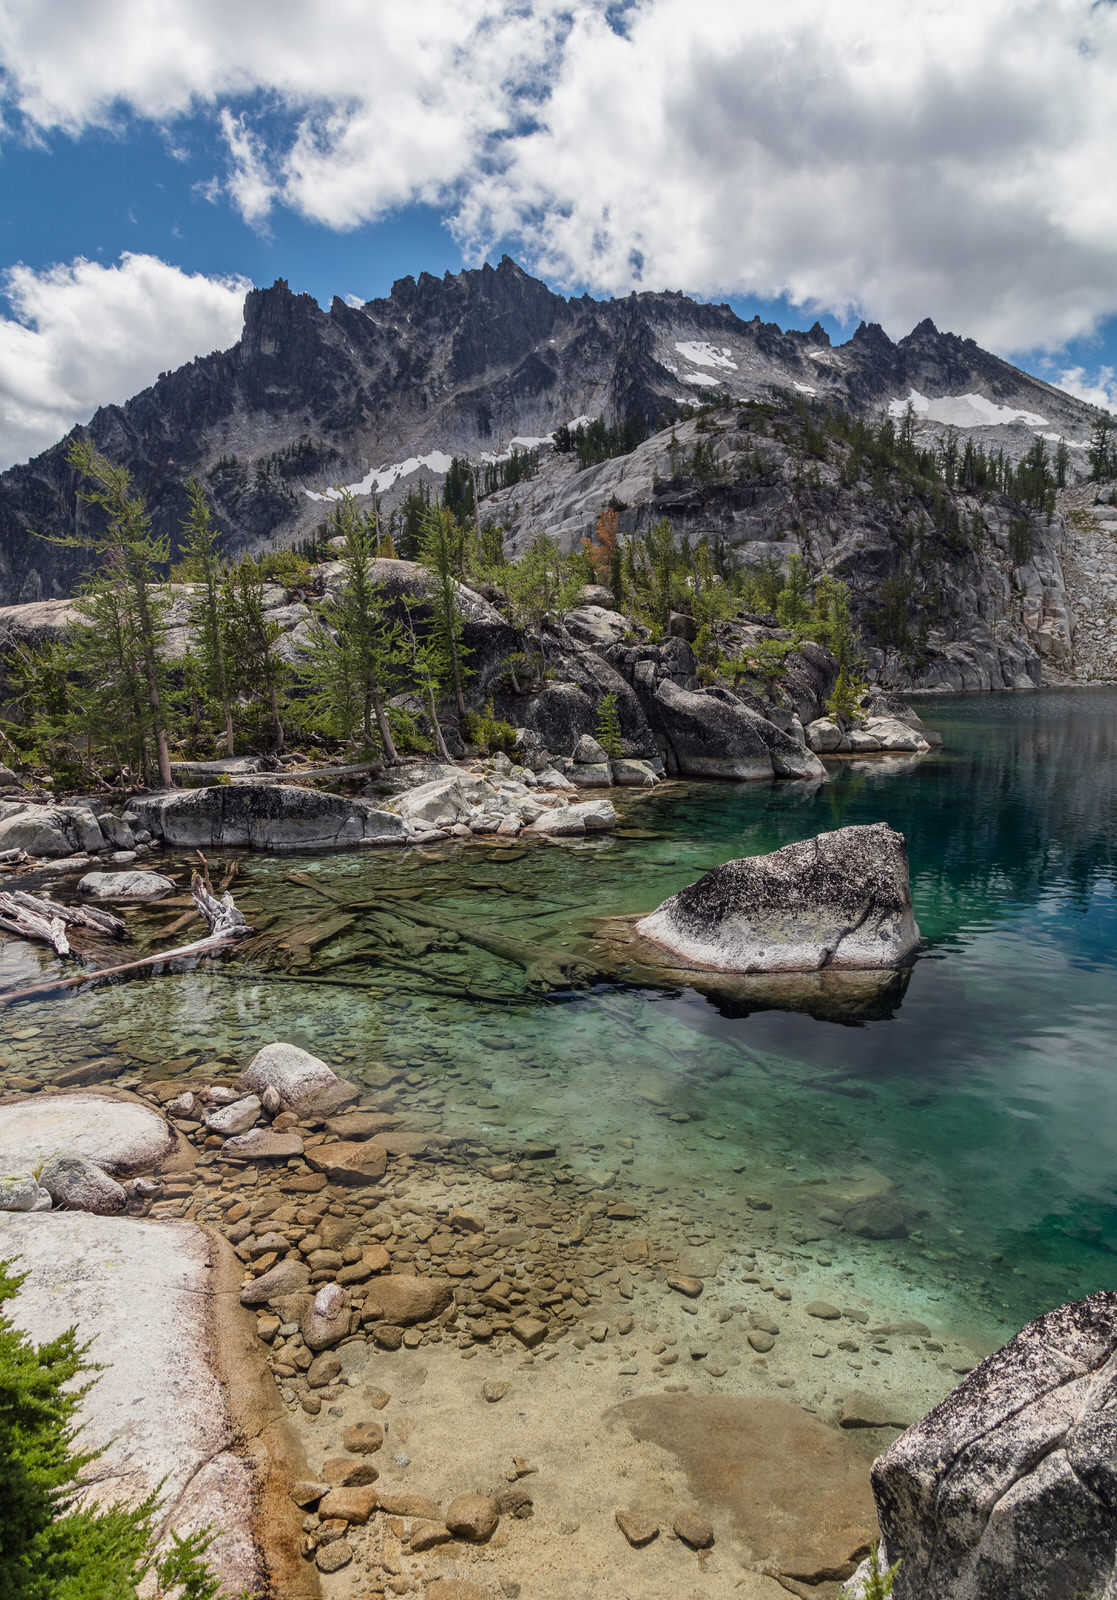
column 226, row 926
column 72, row 916
column 37, row 921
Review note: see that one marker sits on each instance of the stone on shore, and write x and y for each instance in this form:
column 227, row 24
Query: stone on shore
column 796, row 1491
column 349, row 1163
column 1008, row 1487
column 839, row 901
column 266, row 816
column 404, row 1299
column 235, row 1118
column 473, row 1517
column 77, row 1185
column 121, row 1136
column 124, row 885
column 286, row 1277
column 49, row 830
column 294, row 1074
column 587, row 816
column 21, row 1192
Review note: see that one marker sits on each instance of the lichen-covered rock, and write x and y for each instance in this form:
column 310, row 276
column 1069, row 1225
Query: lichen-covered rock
column 589, row 816
column 267, row 816
column 838, row 901
column 1009, row 1486
column 49, row 830
column 711, row 734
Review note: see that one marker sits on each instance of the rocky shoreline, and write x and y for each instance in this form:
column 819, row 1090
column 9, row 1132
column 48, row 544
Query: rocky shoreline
column 446, row 1319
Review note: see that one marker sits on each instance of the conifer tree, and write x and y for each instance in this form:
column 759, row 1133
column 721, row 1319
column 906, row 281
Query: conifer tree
column 442, row 551
column 250, row 639
column 356, row 647
column 203, row 565
column 129, row 553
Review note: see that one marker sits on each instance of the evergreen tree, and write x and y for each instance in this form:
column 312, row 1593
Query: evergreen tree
column 250, row 640
column 442, row 551
column 129, row 553
column 540, row 583
column 356, row 647
column 52, row 1547
column 1102, row 454
column 608, row 729
column 202, row 564
column 429, row 661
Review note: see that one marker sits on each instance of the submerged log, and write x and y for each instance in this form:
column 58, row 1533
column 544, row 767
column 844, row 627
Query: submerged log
column 544, row 969
column 226, row 927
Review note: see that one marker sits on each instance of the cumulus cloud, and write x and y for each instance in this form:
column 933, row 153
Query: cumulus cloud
column 85, row 335
column 1099, row 389
column 870, row 158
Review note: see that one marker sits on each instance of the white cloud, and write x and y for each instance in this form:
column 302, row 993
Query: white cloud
column 947, row 159
column 1099, row 390
column 85, row 335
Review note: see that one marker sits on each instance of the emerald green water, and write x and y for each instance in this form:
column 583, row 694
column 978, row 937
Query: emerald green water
column 988, row 1099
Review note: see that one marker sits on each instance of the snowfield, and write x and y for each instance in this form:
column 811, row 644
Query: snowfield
column 964, row 411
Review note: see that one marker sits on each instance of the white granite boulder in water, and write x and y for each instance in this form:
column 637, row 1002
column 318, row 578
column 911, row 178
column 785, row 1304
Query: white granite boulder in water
column 839, row 901
column 1008, row 1488
column 294, row 1074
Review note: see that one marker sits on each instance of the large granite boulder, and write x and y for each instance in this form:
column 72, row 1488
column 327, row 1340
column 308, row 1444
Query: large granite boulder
column 125, row 885
column 1008, row 1488
column 294, row 1074
column 840, row 900
column 267, row 816
column 49, row 830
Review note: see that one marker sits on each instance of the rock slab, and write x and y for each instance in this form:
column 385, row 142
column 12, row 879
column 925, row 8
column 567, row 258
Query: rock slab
column 119, row 1136
column 142, row 1292
column 839, row 901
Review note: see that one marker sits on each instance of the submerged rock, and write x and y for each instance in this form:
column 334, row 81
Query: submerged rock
column 840, row 900
column 125, row 885
column 1009, row 1486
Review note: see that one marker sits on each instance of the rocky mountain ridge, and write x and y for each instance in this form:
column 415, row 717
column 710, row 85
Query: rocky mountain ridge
column 381, row 396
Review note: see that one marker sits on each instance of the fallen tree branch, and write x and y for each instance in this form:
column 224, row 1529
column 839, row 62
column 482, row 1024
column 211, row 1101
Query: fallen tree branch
column 32, row 924
column 73, row 916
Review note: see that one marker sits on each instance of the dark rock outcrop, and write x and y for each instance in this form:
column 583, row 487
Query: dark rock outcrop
column 267, row 816
column 1009, row 1486
column 840, row 900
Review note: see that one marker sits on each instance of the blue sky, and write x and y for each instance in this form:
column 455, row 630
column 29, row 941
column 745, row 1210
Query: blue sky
column 864, row 160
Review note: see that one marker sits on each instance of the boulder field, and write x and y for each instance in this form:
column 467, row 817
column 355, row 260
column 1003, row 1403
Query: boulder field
column 839, row 901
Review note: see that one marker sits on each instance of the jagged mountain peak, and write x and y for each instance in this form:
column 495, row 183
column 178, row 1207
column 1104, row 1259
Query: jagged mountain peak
column 382, row 395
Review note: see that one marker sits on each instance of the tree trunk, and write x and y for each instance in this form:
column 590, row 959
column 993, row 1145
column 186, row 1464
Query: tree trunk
column 147, row 639
column 391, row 754
column 440, row 742
column 230, row 744
column 277, row 721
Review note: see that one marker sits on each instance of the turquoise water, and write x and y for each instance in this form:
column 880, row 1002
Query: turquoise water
column 987, row 1100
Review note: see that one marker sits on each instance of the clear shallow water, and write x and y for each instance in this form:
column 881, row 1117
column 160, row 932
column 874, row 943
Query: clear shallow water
column 988, row 1100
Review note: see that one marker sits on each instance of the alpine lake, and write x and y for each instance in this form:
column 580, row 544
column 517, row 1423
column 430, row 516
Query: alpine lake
column 981, row 1100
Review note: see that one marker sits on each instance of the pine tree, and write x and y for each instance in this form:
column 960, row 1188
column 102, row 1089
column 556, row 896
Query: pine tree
column 52, row 1547
column 608, row 729
column 250, row 640
column 538, row 585
column 430, row 670
column 356, row 647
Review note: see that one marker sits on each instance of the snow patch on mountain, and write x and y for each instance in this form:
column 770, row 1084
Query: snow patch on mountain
column 377, row 479
column 700, row 377
column 705, row 355
column 964, row 411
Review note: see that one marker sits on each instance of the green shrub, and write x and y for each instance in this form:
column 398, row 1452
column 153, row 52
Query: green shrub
column 52, row 1547
column 608, row 729
column 488, row 732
